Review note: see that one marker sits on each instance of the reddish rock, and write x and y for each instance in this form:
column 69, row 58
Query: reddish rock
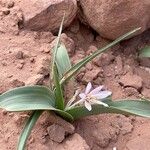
column 16, row 83
column 112, row 18
column 37, row 79
column 74, row 142
column 47, row 14
column 91, row 75
column 140, row 138
column 131, row 80
column 43, row 66
column 56, row 133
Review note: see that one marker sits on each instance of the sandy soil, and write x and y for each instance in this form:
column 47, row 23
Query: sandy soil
column 24, row 60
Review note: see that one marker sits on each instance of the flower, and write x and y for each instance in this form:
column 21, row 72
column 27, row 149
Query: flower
column 93, row 96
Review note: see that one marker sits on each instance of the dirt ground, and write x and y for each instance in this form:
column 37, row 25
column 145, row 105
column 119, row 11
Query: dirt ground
column 24, row 60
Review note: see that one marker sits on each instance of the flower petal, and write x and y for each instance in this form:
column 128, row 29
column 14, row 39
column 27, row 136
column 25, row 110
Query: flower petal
column 82, row 95
column 99, row 102
column 102, row 94
column 96, row 90
column 88, row 106
column 88, row 88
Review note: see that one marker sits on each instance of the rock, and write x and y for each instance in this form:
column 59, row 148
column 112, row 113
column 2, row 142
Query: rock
column 19, row 55
column 146, row 92
column 56, row 133
column 20, row 66
column 16, row 83
column 91, row 75
column 140, row 138
column 43, row 66
column 54, row 119
column 10, row 4
column 75, row 26
column 69, row 43
column 144, row 62
column 130, row 91
column 5, row 11
column 131, row 80
column 35, row 80
column 47, row 14
column 104, row 59
column 74, row 142
column 112, row 18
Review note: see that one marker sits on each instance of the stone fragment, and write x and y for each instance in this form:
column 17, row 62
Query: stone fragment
column 54, row 119
column 112, row 18
column 140, row 138
column 43, row 66
column 131, row 80
column 47, row 14
column 74, row 142
column 16, row 83
column 5, row 11
column 35, row 80
column 56, row 133
column 91, row 75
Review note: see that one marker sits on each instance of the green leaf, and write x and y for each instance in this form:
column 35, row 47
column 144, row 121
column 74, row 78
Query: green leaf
column 79, row 65
column 145, row 52
column 125, row 107
column 64, row 115
column 62, row 60
column 27, row 129
column 59, row 102
column 28, row 98
column 56, row 47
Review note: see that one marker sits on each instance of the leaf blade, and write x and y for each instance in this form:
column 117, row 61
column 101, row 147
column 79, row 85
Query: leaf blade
column 59, row 102
column 79, row 65
column 27, row 98
column 62, row 60
column 127, row 107
column 56, row 47
column 27, row 129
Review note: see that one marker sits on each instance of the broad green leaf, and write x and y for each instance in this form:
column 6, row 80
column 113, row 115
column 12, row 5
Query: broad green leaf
column 59, row 102
column 56, row 48
column 27, row 98
column 83, row 62
column 126, row 107
column 27, row 129
column 62, row 60
column 145, row 52
column 30, row 98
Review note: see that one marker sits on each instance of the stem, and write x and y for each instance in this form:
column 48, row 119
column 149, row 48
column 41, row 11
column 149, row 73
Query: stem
column 73, row 105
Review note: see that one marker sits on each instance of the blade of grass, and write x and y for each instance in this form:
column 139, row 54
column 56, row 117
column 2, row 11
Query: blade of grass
column 27, row 129
column 59, row 102
column 125, row 107
column 79, row 65
column 56, row 48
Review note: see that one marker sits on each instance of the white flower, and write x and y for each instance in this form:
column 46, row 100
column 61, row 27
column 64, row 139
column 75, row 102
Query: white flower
column 93, row 96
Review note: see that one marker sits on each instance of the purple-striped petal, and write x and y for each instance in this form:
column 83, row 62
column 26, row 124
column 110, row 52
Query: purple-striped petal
column 82, row 95
column 102, row 94
column 88, row 88
column 88, row 106
column 96, row 90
